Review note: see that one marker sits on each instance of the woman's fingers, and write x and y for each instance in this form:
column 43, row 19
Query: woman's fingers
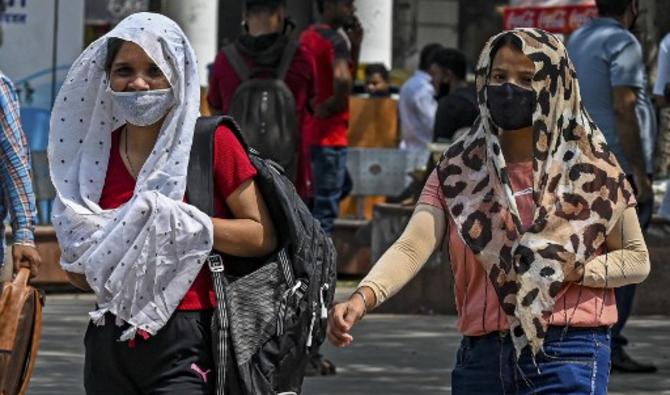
column 339, row 315
column 339, row 325
column 340, row 340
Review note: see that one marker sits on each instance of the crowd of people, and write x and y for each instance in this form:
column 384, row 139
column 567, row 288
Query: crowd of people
column 540, row 202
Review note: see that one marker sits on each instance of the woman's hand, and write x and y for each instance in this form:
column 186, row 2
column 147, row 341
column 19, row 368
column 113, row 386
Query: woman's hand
column 576, row 275
column 342, row 318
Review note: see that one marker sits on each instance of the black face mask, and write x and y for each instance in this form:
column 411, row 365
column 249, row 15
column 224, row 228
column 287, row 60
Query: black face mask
column 443, row 90
column 511, row 106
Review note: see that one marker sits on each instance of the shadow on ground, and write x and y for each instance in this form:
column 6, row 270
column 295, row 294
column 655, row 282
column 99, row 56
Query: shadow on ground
column 391, row 355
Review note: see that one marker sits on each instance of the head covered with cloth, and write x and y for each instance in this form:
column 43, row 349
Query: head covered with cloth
column 578, row 187
column 141, row 258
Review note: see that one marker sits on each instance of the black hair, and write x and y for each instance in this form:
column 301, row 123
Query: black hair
column 263, row 6
column 452, row 59
column 321, row 4
column 374, row 68
column 505, row 40
column 113, row 46
column 427, row 54
column 615, row 8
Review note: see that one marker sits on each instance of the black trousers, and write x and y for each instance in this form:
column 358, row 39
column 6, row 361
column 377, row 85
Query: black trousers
column 178, row 360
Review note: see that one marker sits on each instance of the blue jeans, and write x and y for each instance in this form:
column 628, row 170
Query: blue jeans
column 625, row 295
column 574, row 362
column 329, row 169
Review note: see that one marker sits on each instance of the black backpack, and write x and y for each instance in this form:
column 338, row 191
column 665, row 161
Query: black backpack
column 271, row 312
column 265, row 109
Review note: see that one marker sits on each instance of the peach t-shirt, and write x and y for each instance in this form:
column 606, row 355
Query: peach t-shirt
column 477, row 304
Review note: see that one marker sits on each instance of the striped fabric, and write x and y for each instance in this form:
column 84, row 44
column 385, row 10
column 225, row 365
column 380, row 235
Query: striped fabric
column 16, row 193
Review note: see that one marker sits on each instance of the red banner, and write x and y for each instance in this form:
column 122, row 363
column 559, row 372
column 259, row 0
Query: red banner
column 562, row 19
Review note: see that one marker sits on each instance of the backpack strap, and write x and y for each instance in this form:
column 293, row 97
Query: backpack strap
column 200, row 177
column 200, row 189
column 287, row 58
column 237, row 62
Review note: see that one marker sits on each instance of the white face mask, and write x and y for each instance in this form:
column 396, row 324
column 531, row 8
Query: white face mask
column 143, row 108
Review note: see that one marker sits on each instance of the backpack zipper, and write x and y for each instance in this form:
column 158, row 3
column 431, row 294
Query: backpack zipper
column 311, row 326
column 322, row 298
column 281, row 314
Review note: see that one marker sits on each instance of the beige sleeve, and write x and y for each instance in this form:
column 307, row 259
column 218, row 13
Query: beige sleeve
column 400, row 263
column 627, row 259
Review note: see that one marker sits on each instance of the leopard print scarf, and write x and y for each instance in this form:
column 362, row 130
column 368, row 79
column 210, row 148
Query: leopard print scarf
column 579, row 190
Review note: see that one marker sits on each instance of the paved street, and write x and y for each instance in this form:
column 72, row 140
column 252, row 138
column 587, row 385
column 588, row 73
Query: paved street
column 391, row 355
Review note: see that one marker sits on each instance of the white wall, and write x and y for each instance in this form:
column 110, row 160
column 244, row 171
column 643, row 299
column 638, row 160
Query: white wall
column 26, row 54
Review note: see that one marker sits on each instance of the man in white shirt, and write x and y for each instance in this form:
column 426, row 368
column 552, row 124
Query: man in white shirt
column 417, row 107
column 662, row 99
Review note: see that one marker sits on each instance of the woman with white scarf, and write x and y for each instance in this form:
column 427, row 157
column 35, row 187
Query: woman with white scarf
column 120, row 138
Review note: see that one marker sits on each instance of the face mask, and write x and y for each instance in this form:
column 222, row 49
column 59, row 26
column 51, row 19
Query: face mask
column 511, row 106
column 143, row 108
column 289, row 26
column 443, row 90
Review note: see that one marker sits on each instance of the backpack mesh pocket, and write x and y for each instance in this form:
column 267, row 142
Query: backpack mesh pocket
column 253, row 303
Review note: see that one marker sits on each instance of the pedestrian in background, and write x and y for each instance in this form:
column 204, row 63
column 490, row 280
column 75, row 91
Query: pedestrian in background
column 614, row 93
column 662, row 100
column 417, row 106
column 334, row 45
column 377, row 83
column 16, row 190
column 457, row 107
column 529, row 239
column 259, row 53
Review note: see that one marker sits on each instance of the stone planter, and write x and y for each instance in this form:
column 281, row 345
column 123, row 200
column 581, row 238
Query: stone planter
column 431, row 291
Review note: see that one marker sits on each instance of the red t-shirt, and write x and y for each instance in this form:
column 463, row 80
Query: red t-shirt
column 325, row 45
column 224, row 82
column 232, row 168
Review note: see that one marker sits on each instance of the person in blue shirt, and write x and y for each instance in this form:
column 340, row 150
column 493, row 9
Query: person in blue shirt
column 615, row 95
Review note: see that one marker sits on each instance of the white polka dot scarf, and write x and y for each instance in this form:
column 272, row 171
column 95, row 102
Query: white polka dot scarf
column 141, row 258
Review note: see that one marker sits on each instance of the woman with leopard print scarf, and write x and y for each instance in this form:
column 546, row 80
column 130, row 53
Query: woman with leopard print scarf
column 539, row 225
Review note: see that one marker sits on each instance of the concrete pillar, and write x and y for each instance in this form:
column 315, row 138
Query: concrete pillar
column 437, row 22
column 376, row 16
column 199, row 20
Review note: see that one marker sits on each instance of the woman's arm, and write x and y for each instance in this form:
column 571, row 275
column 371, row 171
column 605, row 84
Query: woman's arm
column 400, row 263
column 251, row 232
column 627, row 259
column 423, row 234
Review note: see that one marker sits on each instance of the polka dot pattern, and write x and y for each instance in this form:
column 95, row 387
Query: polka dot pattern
column 137, row 261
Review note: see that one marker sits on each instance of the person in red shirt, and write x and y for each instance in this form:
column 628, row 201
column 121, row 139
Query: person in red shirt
column 335, row 53
column 268, row 34
column 154, row 95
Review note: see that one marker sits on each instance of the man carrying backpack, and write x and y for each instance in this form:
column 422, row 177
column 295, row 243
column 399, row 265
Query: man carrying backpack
column 265, row 80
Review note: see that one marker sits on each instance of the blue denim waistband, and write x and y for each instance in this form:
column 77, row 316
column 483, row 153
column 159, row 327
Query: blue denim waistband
column 553, row 333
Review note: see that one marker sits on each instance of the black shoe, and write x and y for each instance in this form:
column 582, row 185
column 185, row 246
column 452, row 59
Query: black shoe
column 318, row 365
column 623, row 363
